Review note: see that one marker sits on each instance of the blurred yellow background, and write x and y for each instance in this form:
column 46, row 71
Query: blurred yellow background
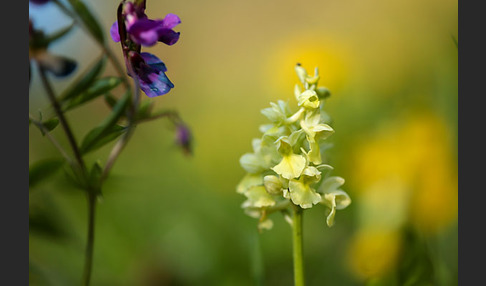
column 168, row 219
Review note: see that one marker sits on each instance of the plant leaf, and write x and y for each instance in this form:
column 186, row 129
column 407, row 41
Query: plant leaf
column 104, row 129
column 84, row 81
column 99, row 87
column 102, row 138
column 49, row 125
column 88, row 19
column 110, row 100
column 59, row 34
column 43, row 169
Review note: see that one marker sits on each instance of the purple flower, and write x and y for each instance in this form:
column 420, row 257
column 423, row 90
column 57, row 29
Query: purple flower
column 58, row 65
column 145, row 31
column 150, row 72
column 183, row 138
column 39, row 2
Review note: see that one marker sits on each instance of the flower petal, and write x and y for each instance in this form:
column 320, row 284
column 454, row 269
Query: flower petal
column 302, row 194
column 259, row 197
column 153, row 61
column 291, row 166
column 145, row 31
column 331, row 184
column 158, row 84
column 60, row 66
column 167, row 36
column 249, row 180
column 273, row 184
column 252, row 163
column 336, row 200
column 114, row 32
column 171, row 20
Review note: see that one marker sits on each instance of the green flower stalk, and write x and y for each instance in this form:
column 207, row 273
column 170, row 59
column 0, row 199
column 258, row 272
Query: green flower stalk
column 286, row 172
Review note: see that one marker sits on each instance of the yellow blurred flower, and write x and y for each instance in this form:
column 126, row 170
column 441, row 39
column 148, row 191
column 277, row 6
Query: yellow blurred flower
column 327, row 52
column 415, row 157
column 407, row 173
column 374, row 252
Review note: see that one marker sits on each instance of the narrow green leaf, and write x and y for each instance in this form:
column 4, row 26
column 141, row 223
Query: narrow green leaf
column 110, row 100
column 88, row 19
column 50, row 125
column 58, row 35
column 43, row 169
column 99, row 87
column 106, row 137
column 101, row 131
column 84, row 81
column 46, row 224
column 95, row 177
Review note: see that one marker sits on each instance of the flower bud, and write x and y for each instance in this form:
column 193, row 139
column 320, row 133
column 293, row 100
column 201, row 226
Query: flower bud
column 272, row 184
column 323, row 92
column 184, row 138
column 301, row 73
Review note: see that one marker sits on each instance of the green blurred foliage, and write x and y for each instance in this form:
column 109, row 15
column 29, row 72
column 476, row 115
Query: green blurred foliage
column 169, row 219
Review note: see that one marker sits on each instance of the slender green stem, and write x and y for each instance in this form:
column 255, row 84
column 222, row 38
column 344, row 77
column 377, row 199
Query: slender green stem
column 91, row 193
column 298, row 246
column 88, row 263
column 115, row 152
column 62, row 118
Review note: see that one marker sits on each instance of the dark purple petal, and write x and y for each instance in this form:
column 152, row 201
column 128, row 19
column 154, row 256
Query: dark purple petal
column 150, row 72
column 171, row 20
column 114, row 32
column 39, row 2
column 144, row 31
column 168, row 37
column 153, row 62
column 155, row 84
column 59, row 66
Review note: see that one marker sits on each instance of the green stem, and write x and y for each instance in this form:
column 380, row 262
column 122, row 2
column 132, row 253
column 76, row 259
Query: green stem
column 62, row 119
column 88, row 263
column 298, row 246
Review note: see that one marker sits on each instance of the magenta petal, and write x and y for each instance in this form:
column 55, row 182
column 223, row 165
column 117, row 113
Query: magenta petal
column 114, row 32
column 144, row 31
column 171, row 20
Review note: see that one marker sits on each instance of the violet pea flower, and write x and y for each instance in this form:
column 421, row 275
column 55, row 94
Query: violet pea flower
column 147, row 32
column 39, row 2
column 150, row 72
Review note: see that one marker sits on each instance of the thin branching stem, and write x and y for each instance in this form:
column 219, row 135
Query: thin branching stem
column 120, row 144
column 53, row 140
column 91, row 194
